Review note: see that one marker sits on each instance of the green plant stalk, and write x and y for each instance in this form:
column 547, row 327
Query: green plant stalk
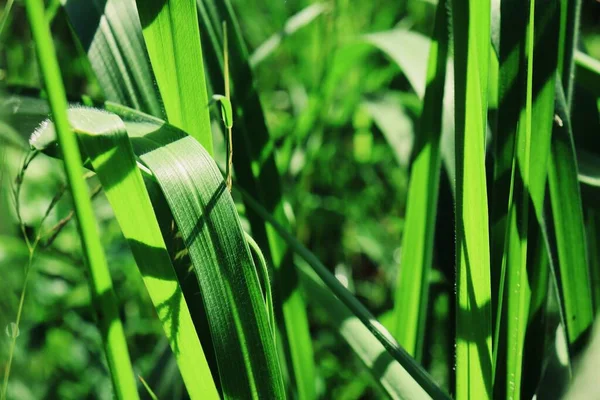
column 410, row 305
column 13, row 340
column 5, row 14
column 471, row 26
column 104, row 299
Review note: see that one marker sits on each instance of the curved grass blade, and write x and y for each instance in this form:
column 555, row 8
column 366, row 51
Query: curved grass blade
column 111, row 36
column 417, row 240
column 172, row 37
column 104, row 299
column 338, row 293
column 409, row 50
column 207, row 218
column 389, row 374
column 256, row 171
column 104, row 139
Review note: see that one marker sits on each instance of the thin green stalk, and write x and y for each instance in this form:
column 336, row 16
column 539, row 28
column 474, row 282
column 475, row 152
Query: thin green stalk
column 104, row 299
column 417, row 240
column 5, row 14
column 471, row 26
column 256, row 171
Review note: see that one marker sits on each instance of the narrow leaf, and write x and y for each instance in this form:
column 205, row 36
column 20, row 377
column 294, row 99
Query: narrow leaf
column 104, row 298
column 171, row 33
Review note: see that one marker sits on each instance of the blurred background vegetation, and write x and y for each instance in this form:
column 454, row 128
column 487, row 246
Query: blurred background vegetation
column 341, row 114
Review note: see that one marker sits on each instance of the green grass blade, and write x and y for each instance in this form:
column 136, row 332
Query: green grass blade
column 533, row 64
column 104, row 140
column 417, row 240
column 111, row 36
column 105, row 301
column 208, row 220
column 337, row 290
column 409, row 50
column 393, row 378
column 173, row 40
column 567, row 215
column 471, row 26
column 256, row 171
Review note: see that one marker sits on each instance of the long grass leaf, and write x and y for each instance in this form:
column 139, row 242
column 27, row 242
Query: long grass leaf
column 417, row 240
column 104, row 140
column 111, row 36
column 294, row 23
column 105, row 301
column 471, row 28
column 208, row 221
column 567, row 215
column 173, row 40
column 212, row 232
column 256, row 171
column 393, row 378
column 523, row 268
column 337, row 290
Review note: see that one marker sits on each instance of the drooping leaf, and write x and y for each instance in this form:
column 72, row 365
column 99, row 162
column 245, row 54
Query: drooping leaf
column 294, row 23
column 104, row 139
column 210, row 226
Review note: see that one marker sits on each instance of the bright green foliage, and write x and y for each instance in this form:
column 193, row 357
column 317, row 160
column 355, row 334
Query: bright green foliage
column 502, row 301
column 206, row 216
column 116, row 51
column 171, row 33
column 417, row 239
column 104, row 140
column 256, row 171
column 103, row 295
column 471, row 27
